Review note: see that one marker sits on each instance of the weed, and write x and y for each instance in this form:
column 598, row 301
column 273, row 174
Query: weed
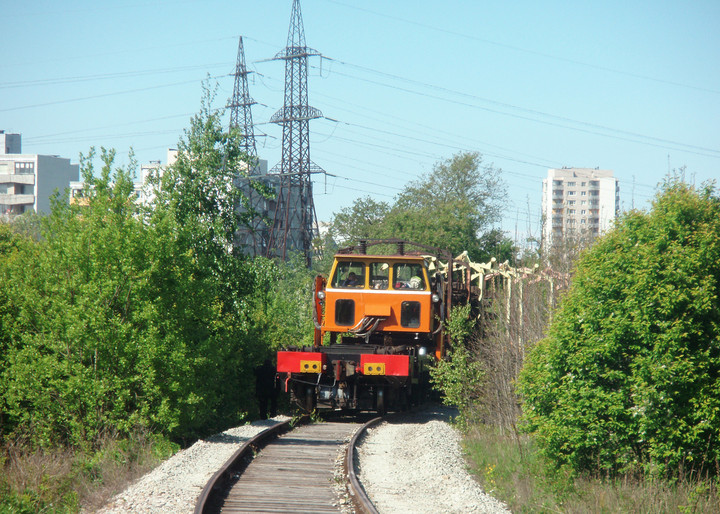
column 513, row 471
column 64, row 480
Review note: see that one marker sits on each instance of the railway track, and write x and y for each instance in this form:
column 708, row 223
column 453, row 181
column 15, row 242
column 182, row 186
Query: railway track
column 288, row 469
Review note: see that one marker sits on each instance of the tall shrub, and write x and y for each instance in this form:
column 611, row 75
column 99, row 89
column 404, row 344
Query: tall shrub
column 460, row 377
column 628, row 378
column 118, row 318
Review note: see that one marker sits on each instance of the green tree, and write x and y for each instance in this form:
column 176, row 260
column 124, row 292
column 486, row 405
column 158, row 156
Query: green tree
column 118, row 318
column 364, row 219
column 628, row 376
column 453, row 207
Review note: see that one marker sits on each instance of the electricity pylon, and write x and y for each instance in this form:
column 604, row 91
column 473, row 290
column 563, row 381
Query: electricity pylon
column 294, row 225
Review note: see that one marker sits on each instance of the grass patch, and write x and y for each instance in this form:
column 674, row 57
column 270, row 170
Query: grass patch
column 66, row 480
column 509, row 467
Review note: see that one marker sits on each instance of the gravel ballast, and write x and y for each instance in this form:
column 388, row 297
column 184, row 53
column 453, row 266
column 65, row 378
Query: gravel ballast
column 175, row 485
column 413, row 464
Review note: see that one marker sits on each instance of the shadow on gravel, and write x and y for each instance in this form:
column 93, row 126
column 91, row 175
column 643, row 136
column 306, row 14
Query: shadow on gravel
column 425, row 414
column 225, row 438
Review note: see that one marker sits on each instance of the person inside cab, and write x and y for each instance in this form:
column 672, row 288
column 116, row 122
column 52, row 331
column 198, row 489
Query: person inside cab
column 352, row 280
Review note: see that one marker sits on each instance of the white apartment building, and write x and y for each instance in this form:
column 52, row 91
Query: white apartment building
column 578, row 201
column 28, row 181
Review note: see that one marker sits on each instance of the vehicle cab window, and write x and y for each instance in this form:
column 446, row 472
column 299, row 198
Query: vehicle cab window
column 408, row 276
column 349, row 274
column 379, row 275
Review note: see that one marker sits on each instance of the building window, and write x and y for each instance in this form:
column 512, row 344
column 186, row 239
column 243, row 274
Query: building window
column 25, row 168
column 583, row 193
column 571, row 184
column 571, row 193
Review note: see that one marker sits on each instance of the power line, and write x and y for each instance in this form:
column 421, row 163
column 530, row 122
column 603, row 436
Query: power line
column 106, row 95
column 652, row 141
column 529, row 51
column 106, row 76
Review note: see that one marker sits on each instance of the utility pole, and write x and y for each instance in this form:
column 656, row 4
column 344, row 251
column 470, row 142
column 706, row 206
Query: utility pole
column 294, row 225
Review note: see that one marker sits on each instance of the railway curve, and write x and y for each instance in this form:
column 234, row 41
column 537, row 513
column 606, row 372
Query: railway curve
column 289, row 468
column 406, row 462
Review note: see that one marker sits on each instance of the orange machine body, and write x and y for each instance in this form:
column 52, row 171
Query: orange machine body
column 392, row 291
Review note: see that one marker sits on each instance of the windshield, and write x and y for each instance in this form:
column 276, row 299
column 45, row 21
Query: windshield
column 349, row 274
column 408, row 276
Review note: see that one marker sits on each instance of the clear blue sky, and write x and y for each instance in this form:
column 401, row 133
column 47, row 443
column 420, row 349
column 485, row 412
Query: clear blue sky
column 628, row 86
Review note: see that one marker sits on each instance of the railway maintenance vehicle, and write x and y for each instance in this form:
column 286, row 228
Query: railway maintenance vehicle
column 379, row 322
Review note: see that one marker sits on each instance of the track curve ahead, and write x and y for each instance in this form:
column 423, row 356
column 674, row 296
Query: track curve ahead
column 294, row 473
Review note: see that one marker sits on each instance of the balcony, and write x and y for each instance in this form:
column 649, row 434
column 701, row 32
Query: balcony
column 10, row 178
column 6, row 199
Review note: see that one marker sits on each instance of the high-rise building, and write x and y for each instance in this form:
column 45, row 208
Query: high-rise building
column 578, row 201
column 28, row 181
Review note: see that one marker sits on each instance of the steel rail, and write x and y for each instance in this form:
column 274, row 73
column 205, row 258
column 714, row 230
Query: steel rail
column 210, row 499
column 360, row 500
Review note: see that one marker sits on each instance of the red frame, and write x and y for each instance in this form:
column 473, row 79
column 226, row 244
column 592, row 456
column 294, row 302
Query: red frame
column 289, row 362
column 395, row 365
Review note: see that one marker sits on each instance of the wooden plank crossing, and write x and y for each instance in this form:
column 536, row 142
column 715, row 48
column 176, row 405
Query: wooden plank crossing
column 293, row 473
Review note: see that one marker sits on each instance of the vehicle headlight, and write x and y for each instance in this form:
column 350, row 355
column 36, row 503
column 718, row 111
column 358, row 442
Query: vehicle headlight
column 321, row 295
column 435, row 298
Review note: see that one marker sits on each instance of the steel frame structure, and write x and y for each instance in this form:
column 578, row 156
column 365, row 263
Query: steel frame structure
column 294, row 225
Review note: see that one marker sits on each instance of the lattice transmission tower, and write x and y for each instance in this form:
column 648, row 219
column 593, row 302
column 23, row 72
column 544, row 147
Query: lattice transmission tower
column 251, row 238
column 294, row 225
column 241, row 104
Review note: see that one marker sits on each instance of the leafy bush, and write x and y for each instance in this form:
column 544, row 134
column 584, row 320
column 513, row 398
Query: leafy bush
column 628, row 378
column 460, row 376
column 118, row 318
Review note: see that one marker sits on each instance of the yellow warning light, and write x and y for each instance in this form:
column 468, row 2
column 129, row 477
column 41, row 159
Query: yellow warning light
column 374, row 368
column 310, row 366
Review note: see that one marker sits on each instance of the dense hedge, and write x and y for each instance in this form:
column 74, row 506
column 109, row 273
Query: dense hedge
column 628, row 376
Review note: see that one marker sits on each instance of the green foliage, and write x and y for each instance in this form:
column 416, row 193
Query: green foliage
column 512, row 470
column 627, row 379
column 119, row 317
column 452, row 207
column 364, row 219
column 280, row 310
column 459, row 378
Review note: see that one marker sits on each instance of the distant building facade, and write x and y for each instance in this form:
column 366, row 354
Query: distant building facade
column 28, row 181
column 578, row 201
